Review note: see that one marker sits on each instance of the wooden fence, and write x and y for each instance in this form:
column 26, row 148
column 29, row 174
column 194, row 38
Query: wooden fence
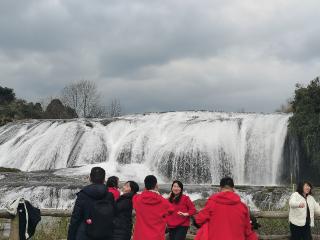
column 14, row 228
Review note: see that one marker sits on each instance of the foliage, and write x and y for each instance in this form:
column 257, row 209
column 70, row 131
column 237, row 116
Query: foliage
column 19, row 109
column 79, row 99
column 56, row 110
column 305, row 124
column 5, row 170
column 12, row 109
column 6, row 95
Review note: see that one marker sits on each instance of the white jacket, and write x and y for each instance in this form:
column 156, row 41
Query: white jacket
column 297, row 216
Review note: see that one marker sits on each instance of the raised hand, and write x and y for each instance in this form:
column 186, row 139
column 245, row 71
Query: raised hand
column 183, row 214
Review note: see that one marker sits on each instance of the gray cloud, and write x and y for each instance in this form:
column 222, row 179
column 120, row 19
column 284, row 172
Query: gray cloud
column 162, row 55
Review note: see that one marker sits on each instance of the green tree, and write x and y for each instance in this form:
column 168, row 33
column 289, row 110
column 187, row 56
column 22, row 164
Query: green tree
column 305, row 125
column 6, row 95
column 16, row 109
column 56, row 110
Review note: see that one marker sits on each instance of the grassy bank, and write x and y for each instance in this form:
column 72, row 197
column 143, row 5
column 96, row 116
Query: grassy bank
column 52, row 229
column 4, row 170
column 57, row 228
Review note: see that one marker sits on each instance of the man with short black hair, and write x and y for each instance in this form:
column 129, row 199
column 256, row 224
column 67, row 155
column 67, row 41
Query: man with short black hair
column 93, row 213
column 226, row 216
column 151, row 211
column 226, row 182
column 97, row 175
column 150, row 182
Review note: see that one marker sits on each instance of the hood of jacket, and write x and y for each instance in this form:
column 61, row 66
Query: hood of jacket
column 95, row 191
column 150, row 197
column 226, row 198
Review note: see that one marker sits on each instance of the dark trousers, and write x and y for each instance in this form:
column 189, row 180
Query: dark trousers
column 178, row 233
column 300, row 233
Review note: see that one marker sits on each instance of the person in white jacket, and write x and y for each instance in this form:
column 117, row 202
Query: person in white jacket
column 301, row 213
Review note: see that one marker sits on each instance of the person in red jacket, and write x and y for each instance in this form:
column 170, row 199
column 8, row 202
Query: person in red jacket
column 179, row 221
column 113, row 186
column 227, row 217
column 151, row 212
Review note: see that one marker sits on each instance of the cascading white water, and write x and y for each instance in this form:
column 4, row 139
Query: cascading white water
column 197, row 147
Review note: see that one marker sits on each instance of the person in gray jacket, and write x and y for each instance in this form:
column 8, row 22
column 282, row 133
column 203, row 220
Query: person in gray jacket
column 302, row 210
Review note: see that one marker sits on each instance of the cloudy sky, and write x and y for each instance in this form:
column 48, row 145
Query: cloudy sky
column 162, row 55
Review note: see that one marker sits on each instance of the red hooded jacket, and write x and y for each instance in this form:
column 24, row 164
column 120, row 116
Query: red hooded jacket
column 203, row 232
column 115, row 192
column 185, row 205
column 151, row 213
column 227, row 217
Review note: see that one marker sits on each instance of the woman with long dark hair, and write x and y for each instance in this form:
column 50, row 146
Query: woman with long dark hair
column 179, row 221
column 113, row 186
column 301, row 212
column 123, row 220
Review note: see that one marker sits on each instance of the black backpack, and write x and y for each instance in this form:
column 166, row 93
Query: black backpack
column 99, row 224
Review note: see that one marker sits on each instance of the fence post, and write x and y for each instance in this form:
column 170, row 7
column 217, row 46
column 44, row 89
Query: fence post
column 14, row 228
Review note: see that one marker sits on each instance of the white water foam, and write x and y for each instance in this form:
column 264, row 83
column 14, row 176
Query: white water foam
column 196, row 147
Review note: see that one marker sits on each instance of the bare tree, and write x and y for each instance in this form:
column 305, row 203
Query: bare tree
column 98, row 111
column 70, row 96
column 89, row 95
column 84, row 98
column 81, row 96
column 114, row 109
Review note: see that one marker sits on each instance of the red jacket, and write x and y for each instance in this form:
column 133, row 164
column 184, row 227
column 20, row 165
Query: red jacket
column 115, row 192
column 203, row 232
column 184, row 205
column 151, row 212
column 228, row 218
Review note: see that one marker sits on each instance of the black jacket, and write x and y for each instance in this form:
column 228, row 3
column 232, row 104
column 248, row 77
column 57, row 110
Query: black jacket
column 29, row 217
column 85, row 199
column 123, row 220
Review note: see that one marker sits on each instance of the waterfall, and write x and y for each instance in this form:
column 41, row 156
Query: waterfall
column 196, row 147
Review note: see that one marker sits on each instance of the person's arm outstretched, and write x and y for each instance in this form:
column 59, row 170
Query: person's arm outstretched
column 204, row 214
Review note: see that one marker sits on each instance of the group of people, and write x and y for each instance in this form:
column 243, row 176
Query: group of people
column 102, row 213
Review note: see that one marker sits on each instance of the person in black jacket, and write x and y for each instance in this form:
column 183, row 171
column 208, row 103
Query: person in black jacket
column 123, row 219
column 86, row 198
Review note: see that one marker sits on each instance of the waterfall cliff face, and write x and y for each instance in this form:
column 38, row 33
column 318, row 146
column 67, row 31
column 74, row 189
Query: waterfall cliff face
column 45, row 189
column 196, row 147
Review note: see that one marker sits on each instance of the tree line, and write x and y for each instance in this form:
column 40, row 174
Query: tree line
column 304, row 127
column 77, row 100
